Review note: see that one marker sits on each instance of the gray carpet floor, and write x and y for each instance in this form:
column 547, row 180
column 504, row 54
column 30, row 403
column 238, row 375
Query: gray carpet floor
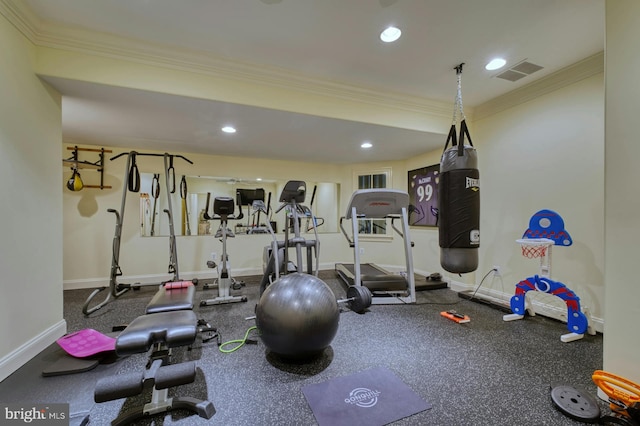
column 485, row 372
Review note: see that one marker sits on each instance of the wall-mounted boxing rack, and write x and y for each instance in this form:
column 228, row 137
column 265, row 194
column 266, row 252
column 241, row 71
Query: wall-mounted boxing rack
column 75, row 163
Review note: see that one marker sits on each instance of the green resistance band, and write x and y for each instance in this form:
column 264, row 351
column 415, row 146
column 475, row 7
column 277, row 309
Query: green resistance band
column 238, row 342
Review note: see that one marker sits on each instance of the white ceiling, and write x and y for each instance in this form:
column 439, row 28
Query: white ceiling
column 328, row 40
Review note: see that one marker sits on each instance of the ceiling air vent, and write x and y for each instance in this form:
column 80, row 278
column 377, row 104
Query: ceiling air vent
column 519, row 71
column 526, row 67
column 511, row 75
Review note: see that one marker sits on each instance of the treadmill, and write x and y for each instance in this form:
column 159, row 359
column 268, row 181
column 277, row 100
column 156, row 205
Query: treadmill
column 386, row 287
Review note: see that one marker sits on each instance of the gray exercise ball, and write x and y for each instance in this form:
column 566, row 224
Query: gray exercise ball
column 297, row 316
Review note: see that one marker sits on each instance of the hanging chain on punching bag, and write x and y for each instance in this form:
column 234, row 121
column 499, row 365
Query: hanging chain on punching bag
column 458, row 107
column 458, row 103
column 459, row 196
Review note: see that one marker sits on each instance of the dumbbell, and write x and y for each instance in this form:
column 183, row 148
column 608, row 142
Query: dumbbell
column 358, row 298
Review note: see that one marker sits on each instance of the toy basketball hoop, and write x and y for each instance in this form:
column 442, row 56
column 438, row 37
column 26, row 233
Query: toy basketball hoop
column 534, row 247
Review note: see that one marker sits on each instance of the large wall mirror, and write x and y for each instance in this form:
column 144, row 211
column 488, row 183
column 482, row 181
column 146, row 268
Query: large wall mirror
column 189, row 203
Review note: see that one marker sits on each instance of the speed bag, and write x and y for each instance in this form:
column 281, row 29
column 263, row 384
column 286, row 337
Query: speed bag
column 75, row 182
column 459, row 210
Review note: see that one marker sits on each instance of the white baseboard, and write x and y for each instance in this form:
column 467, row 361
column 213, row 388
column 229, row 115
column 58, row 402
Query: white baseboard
column 86, row 283
column 540, row 308
column 158, row 278
column 20, row 356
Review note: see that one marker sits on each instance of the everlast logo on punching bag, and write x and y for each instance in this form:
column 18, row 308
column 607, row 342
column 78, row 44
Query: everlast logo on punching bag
column 472, row 183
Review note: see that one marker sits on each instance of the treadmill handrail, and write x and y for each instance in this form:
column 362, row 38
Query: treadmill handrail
column 349, row 240
column 393, row 225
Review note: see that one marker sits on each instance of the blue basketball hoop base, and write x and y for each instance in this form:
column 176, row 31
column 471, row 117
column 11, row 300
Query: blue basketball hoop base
column 546, row 229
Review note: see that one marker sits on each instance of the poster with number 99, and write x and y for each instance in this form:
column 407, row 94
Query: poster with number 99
column 423, row 196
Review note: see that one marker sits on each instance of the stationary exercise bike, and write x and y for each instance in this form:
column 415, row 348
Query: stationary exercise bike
column 223, row 209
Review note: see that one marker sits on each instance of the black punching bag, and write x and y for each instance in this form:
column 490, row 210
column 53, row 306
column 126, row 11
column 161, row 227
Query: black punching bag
column 459, row 204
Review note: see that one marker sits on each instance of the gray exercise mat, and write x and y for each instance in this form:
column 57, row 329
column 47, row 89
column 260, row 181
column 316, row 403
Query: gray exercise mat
column 371, row 397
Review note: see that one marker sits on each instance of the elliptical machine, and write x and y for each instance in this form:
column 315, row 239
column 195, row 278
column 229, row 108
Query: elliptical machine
column 223, row 210
column 276, row 255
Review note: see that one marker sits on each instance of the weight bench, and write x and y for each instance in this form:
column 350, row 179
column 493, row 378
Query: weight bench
column 172, row 296
column 163, row 327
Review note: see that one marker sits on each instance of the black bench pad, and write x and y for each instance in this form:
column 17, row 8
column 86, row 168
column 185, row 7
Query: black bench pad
column 171, row 299
column 177, row 328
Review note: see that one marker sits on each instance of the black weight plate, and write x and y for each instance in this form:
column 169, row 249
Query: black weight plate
column 367, row 297
column 356, row 303
column 361, row 298
column 576, row 404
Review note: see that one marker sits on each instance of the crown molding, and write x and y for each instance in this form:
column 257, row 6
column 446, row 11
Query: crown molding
column 62, row 37
column 21, row 17
column 207, row 64
column 585, row 68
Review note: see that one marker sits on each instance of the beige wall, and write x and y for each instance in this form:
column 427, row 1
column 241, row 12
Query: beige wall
column 88, row 224
column 546, row 154
column 31, row 211
column 622, row 203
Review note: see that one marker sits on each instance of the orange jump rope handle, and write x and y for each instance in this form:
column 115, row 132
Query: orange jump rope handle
column 459, row 318
column 615, row 387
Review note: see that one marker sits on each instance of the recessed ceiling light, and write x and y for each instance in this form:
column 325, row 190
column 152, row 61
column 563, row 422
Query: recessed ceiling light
column 495, row 64
column 229, row 129
column 259, row 179
column 391, row 34
column 366, row 145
